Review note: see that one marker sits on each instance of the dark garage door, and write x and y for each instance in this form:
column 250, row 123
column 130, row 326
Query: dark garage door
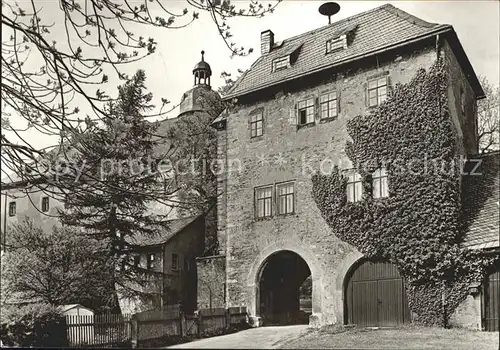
column 375, row 295
column 491, row 296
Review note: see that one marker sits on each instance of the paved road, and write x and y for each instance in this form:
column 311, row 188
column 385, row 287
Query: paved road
column 254, row 338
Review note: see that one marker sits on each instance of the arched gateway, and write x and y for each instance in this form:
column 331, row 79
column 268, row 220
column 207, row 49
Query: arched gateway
column 274, row 281
column 279, row 282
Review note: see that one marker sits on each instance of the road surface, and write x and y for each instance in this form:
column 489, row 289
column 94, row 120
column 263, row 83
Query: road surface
column 254, row 338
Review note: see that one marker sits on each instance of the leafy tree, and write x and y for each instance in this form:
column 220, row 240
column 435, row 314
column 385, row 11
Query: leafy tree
column 60, row 266
column 488, row 128
column 49, row 87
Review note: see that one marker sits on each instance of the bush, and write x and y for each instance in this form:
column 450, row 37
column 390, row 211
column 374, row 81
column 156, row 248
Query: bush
column 35, row 325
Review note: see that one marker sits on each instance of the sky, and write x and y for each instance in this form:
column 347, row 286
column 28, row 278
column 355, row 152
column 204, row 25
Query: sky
column 169, row 70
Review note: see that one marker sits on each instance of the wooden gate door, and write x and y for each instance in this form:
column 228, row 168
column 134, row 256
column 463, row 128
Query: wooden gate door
column 375, row 296
column 491, row 296
column 390, row 302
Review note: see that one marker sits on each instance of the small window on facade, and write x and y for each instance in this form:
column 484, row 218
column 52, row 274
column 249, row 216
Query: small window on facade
column 137, row 260
column 12, row 208
column 151, row 261
column 263, row 201
column 379, row 181
column 175, row 261
column 187, row 264
column 45, row 204
column 285, row 194
column 377, row 91
column 281, row 63
column 328, row 105
column 336, row 44
column 256, row 124
column 306, row 112
column 354, row 187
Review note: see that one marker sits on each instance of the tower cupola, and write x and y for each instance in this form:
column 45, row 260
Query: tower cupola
column 202, row 72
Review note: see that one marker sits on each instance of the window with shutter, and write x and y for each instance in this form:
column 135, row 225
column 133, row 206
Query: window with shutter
column 354, row 187
column 263, row 201
column 281, row 63
column 336, row 44
column 305, row 111
column 328, row 105
column 377, row 91
column 256, row 124
column 285, row 198
column 379, row 183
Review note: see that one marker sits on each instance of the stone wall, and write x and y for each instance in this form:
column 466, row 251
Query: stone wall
column 211, row 281
column 468, row 313
column 464, row 119
column 285, row 153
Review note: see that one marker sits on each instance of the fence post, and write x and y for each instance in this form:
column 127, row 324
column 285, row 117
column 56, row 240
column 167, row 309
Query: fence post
column 134, row 331
column 228, row 318
column 182, row 327
column 200, row 324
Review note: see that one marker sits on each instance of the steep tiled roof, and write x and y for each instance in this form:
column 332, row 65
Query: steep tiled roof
column 374, row 30
column 174, row 227
column 481, row 205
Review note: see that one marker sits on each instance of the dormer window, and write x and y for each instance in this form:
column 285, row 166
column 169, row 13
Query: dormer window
column 281, row 63
column 336, row 44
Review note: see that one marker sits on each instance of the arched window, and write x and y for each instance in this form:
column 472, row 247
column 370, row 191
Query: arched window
column 354, row 187
column 379, row 182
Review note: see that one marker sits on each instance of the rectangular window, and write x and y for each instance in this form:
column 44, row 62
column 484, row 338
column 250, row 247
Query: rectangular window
column 151, row 261
column 354, row 187
column 328, row 105
column 256, row 126
column 137, row 260
column 187, row 264
column 45, row 204
column 175, row 261
column 285, row 194
column 281, row 63
column 336, row 44
column 12, row 208
column 377, row 91
column 379, row 181
column 263, row 201
column 306, row 111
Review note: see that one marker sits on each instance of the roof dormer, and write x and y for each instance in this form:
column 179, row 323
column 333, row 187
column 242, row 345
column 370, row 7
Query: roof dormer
column 336, row 44
column 341, row 39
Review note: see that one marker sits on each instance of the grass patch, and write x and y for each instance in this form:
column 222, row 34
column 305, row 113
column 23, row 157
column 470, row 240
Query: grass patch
column 408, row 337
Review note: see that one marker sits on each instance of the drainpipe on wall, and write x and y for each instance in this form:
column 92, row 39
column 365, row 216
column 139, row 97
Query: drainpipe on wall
column 4, row 239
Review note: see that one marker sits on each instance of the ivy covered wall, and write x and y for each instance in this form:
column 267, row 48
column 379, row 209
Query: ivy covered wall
column 418, row 226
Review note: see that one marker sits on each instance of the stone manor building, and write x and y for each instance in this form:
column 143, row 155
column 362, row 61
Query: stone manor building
column 290, row 113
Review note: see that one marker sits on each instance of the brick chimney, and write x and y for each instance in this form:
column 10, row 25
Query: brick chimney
column 266, row 41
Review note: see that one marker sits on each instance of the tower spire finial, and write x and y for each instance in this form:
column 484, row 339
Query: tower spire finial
column 203, row 55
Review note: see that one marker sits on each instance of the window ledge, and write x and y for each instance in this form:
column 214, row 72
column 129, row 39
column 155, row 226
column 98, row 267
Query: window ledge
column 263, row 218
column 305, row 126
column 257, row 138
column 327, row 120
column 286, row 215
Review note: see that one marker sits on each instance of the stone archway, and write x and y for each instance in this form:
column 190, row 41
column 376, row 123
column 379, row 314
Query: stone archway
column 280, row 279
column 257, row 271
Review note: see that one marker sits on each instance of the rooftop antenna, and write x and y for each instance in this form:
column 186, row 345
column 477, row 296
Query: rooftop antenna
column 329, row 9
